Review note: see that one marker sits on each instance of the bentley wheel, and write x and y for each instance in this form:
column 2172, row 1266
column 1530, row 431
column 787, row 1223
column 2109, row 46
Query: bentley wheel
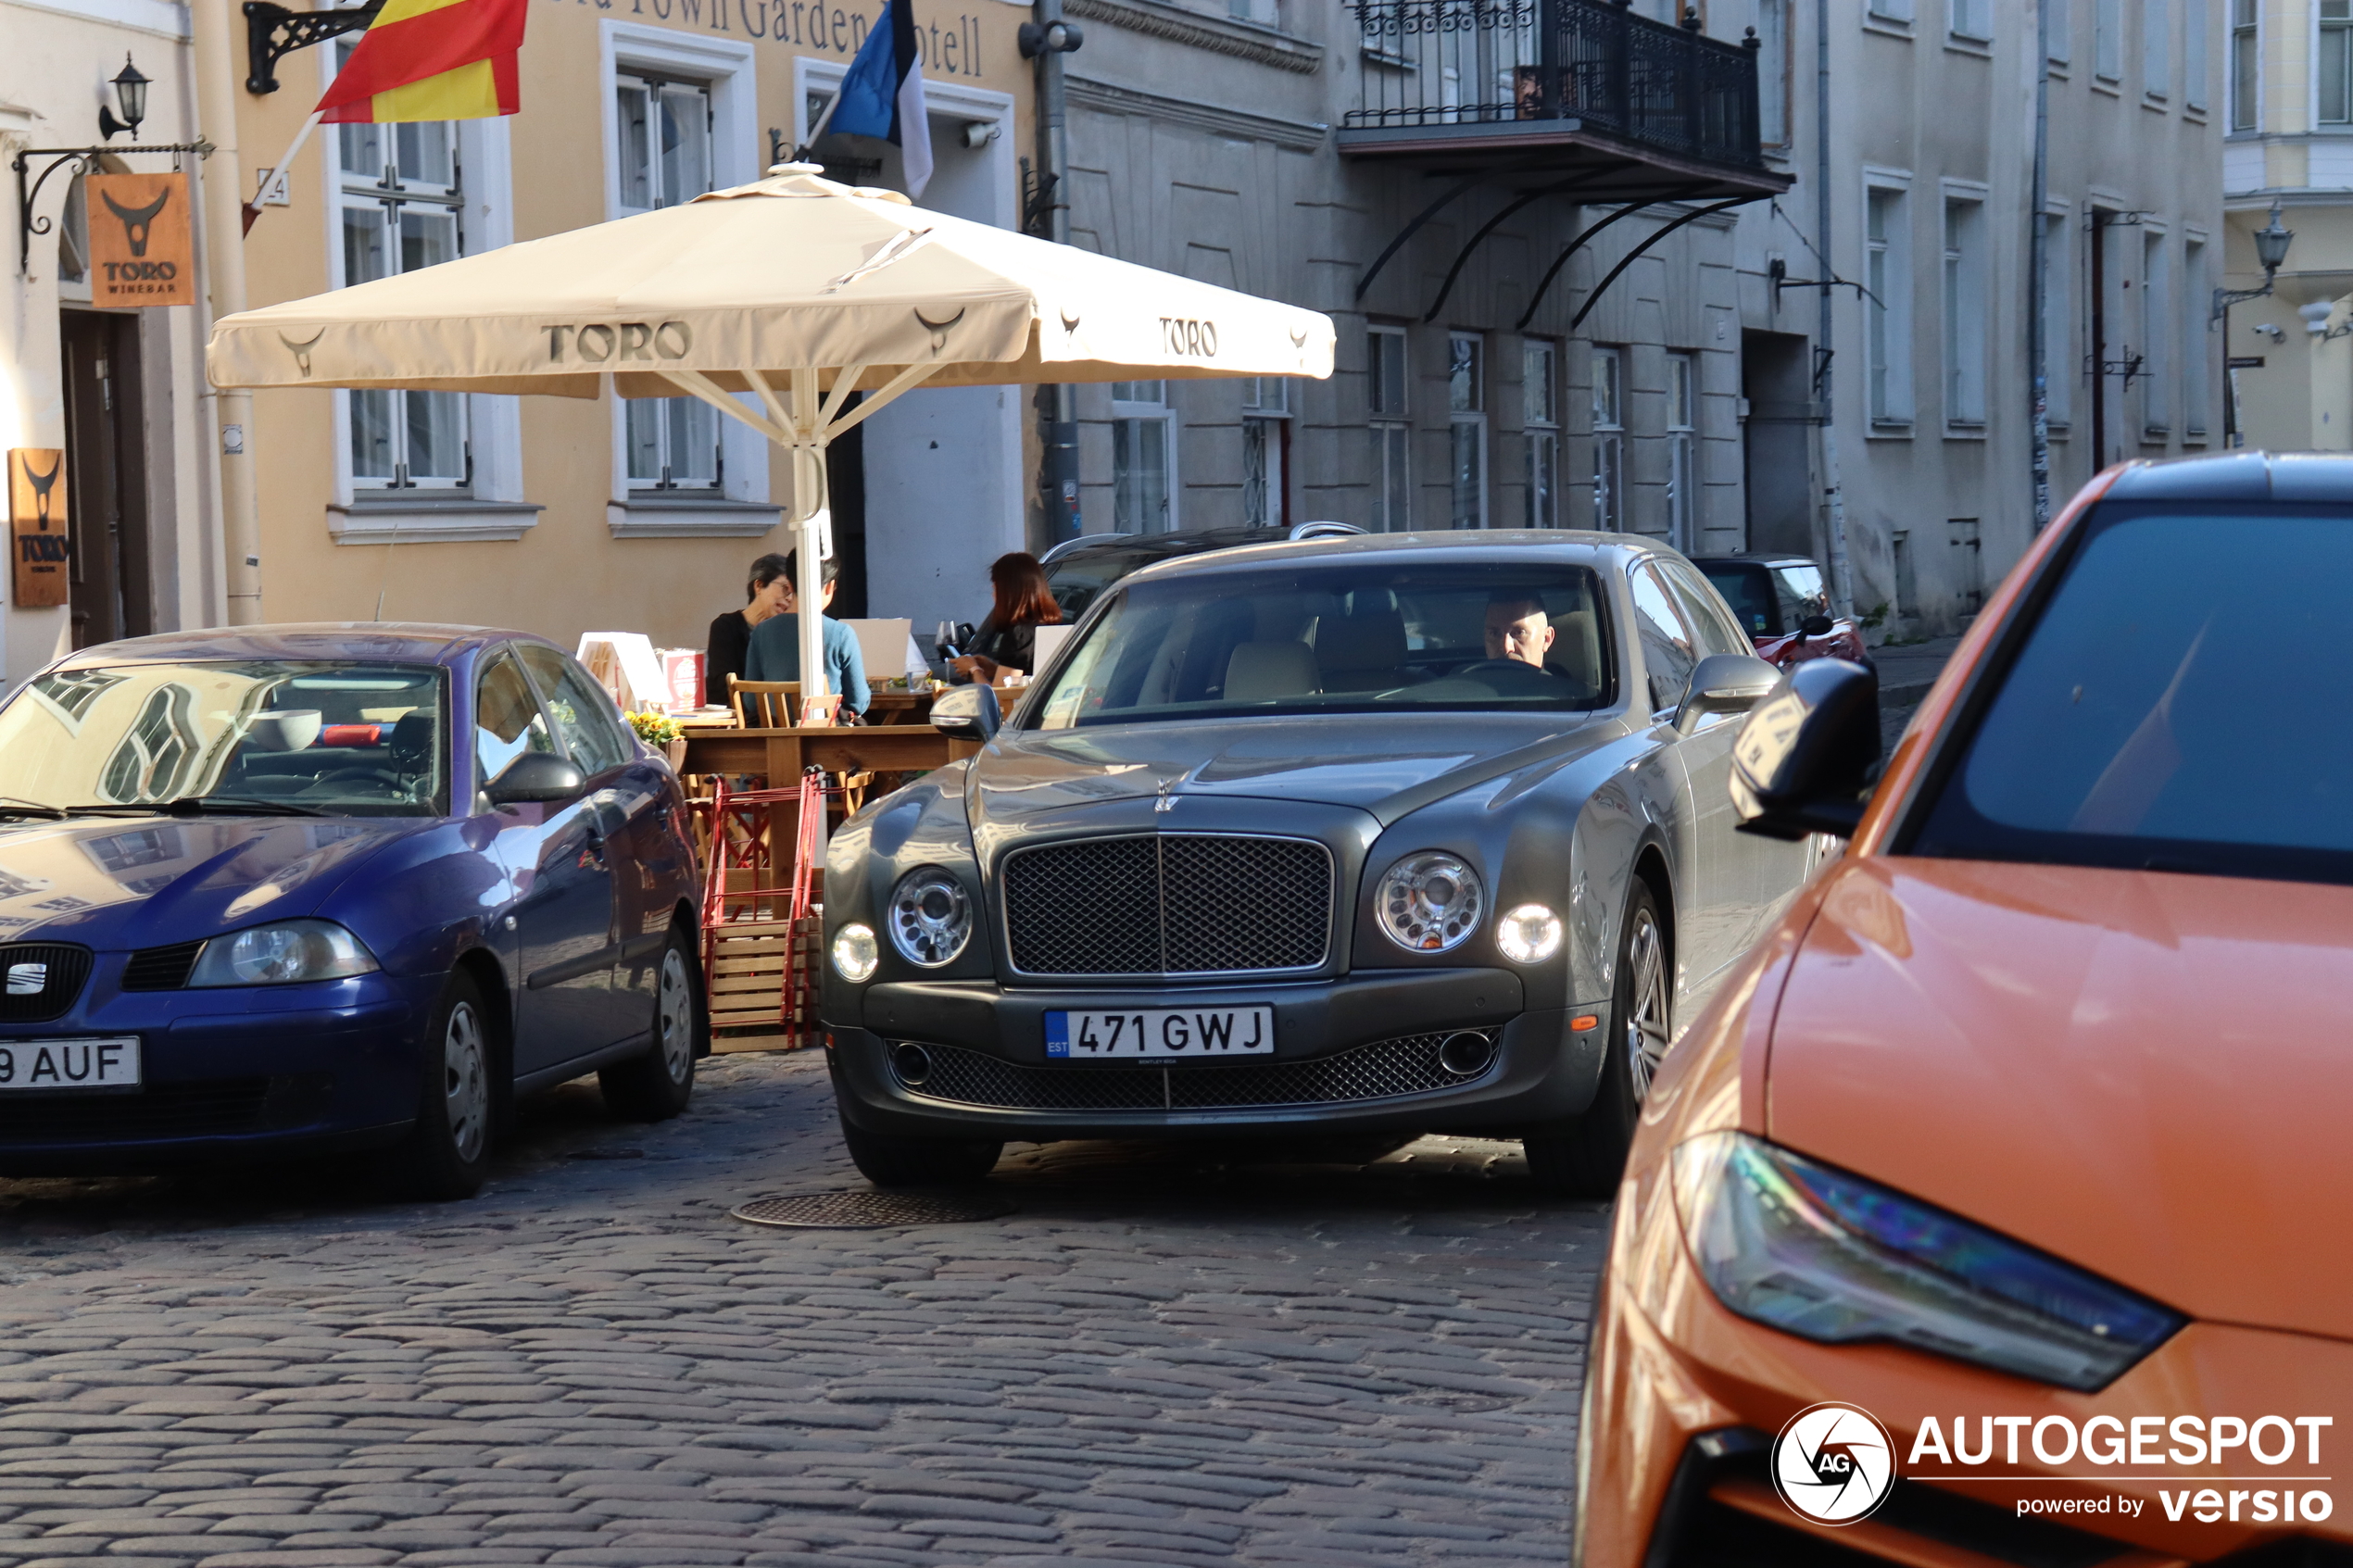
column 657, row 1086
column 1585, row 1156
column 890, row 1161
column 447, row 1152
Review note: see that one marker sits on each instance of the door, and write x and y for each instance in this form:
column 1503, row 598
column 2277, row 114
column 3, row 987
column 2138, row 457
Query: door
column 111, row 594
column 564, row 911
column 1702, row 935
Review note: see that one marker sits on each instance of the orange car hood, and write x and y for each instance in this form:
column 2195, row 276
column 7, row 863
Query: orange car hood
column 2147, row 1074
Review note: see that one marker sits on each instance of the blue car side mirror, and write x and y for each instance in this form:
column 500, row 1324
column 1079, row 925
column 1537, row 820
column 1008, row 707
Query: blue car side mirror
column 535, row 776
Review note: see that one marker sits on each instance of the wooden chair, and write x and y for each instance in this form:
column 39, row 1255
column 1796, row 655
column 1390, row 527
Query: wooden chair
column 763, row 705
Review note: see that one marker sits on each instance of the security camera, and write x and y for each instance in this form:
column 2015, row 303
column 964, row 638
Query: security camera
column 2316, row 315
column 979, row 134
column 2265, row 329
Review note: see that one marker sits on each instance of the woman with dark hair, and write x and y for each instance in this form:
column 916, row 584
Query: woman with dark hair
column 1008, row 639
column 766, row 595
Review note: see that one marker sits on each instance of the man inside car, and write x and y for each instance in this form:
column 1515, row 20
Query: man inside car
column 1517, row 628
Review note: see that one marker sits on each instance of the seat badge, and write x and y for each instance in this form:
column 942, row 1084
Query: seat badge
column 28, row 979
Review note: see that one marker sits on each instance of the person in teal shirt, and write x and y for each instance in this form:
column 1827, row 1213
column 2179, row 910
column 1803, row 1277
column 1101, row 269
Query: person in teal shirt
column 774, row 653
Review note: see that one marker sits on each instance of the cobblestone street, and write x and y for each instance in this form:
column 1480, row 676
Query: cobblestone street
column 1167, row 1355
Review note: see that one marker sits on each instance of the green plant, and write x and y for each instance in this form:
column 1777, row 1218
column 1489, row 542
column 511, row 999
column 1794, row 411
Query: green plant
column 657, row 730
column 1877, row 617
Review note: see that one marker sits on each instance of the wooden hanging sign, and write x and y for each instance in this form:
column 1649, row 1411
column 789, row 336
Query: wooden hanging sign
column 142, row 243
column 37, row 525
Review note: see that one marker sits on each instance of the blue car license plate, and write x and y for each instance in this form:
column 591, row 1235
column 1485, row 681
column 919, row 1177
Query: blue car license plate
column 110, row 1063
column 1161, row 1034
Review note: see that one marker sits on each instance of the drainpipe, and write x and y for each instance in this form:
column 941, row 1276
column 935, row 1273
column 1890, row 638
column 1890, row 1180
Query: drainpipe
column 2037, row 264
column 1049, row 38
column 1841, row 581
column 214, row 34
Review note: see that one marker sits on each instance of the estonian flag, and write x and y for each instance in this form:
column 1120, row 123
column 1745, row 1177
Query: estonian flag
column 883, row 94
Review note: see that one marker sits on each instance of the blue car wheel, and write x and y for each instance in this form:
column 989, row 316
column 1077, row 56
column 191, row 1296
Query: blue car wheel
column 447, row 1152
column 657, row 1086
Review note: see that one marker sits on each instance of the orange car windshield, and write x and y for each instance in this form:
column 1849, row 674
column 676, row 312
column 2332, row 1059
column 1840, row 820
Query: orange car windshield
column 2140, row 721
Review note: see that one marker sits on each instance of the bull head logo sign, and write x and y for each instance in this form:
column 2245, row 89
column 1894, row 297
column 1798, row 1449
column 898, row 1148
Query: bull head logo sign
column 42, row 484
column 136, row 220
column 301, row 351
column 938, row 329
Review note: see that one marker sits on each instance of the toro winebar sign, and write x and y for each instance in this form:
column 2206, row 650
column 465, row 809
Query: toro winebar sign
column 141, row 245
column 42, row 550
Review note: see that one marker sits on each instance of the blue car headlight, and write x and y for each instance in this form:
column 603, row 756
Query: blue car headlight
column 1830, row 1257
column 282, row 953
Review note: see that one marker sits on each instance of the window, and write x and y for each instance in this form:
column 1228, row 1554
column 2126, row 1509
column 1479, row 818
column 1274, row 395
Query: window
column 1965, row 324
column 1466, row 429
column 583, row 710
column 1609, row 440
column 400, row 202
column 2156, row 333
column 1266, row 451
column 2196, row 351
column 1143, row 440
column 2157, row 47
column 2337, row 80
column 1886, row 274
column 506, row 720
column 2193, row 56
column 665, row 153
column 2107, row 40
column 2062, row 34
column 1669, row 656
column 1682, row 452
column 1969, row 18
column 1385, row 401
column 1892, row 10
column 2245, row 64
column 2058, row 358
column 1540, row 368
column 1772, row 72
column 1714, row 627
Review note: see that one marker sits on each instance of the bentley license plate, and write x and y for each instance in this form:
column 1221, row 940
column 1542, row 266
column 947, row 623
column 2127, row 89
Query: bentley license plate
column 1161, row 1034
column 111, row 1063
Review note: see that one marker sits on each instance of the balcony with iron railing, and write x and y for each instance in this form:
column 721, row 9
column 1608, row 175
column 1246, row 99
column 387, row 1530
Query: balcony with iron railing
column 1551, row 87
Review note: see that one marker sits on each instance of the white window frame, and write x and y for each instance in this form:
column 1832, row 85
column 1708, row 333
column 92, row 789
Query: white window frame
column 494, row 508
column 2197, row 56
column 1963, row 302
column 1266, row 415
column 2108, row 41
column 1136, row 412
column 2062, row 31
column 2156, row 328
column 740, row 508
column 1972, row 21
column 1608, row 385
column 1391, row 432
column 1772, row 21
column 2157, row 50
column 2197, row 349
column 1467, row 431
column 2325, row 111
column 2244, row 66
column 1682, row 452
column 1898, row 11
column 1887, row 360
column 2059, row 316
column 1540, row 418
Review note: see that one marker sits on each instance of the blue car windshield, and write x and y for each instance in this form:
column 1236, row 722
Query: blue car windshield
column 1338, row 635
column 333, row 738
column 2133, row 723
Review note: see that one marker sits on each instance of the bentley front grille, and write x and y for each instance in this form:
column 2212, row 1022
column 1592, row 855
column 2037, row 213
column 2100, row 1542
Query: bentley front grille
column 1169, row 904
column 1385, row 1069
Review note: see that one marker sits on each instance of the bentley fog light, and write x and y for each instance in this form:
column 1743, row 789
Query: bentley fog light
column 855, row 954
column 282, row 954
column 931, row 917
column 1830, row 1257
column 1529, row 934
column 1430, row 902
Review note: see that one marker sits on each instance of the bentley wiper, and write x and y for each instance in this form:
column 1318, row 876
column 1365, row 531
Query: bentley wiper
column 12, row 807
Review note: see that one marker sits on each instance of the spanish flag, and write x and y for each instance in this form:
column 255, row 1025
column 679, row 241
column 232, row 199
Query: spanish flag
column 430, row 59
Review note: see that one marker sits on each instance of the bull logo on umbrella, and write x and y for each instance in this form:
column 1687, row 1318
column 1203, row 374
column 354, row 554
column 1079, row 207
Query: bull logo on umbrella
column 137, row 222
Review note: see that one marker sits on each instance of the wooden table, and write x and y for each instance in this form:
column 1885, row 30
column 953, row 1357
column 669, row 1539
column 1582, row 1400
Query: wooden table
column 899, row 708
column 848, row 748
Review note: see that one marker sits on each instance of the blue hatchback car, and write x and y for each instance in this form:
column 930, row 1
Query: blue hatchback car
column 293, row 890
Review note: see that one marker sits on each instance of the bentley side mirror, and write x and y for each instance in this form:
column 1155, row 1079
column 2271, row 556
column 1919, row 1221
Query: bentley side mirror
column 1724, row 682
column 968, row 712
column 1816, row 625
column 535, row 776
column 1804, row 756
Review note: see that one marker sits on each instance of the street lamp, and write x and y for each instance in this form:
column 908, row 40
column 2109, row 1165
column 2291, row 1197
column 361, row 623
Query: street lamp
column 2270, row 249
column 131, row 92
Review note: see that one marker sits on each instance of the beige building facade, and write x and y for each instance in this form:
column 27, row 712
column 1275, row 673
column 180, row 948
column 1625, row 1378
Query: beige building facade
column 561, row 517
column 2289, row 101
column 119, row 392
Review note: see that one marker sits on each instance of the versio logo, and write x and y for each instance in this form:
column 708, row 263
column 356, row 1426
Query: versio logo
column 1833, row 1463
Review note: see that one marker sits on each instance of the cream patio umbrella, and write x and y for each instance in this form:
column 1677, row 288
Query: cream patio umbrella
column 794, row 289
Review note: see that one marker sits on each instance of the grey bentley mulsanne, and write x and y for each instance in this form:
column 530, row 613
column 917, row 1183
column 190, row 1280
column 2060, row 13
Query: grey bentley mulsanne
column 1405, row 833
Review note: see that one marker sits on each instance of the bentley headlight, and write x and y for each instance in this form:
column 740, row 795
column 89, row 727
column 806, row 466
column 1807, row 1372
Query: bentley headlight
column 280, row 954
column 931, row 917
column 1830, row 1257
column 1429, row 902
column 1529, row 934
column 855, row 954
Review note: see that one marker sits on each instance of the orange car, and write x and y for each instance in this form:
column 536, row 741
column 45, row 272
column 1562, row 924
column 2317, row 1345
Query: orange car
column 2000, row 1209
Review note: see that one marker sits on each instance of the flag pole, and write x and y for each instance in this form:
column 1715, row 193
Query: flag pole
column 804, row 153
column 253, row 207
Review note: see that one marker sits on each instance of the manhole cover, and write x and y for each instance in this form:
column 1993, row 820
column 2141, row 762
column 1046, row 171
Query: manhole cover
column 871, row 1211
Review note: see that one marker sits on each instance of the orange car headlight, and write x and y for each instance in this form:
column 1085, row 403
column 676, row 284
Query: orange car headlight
column 1828, row 1256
